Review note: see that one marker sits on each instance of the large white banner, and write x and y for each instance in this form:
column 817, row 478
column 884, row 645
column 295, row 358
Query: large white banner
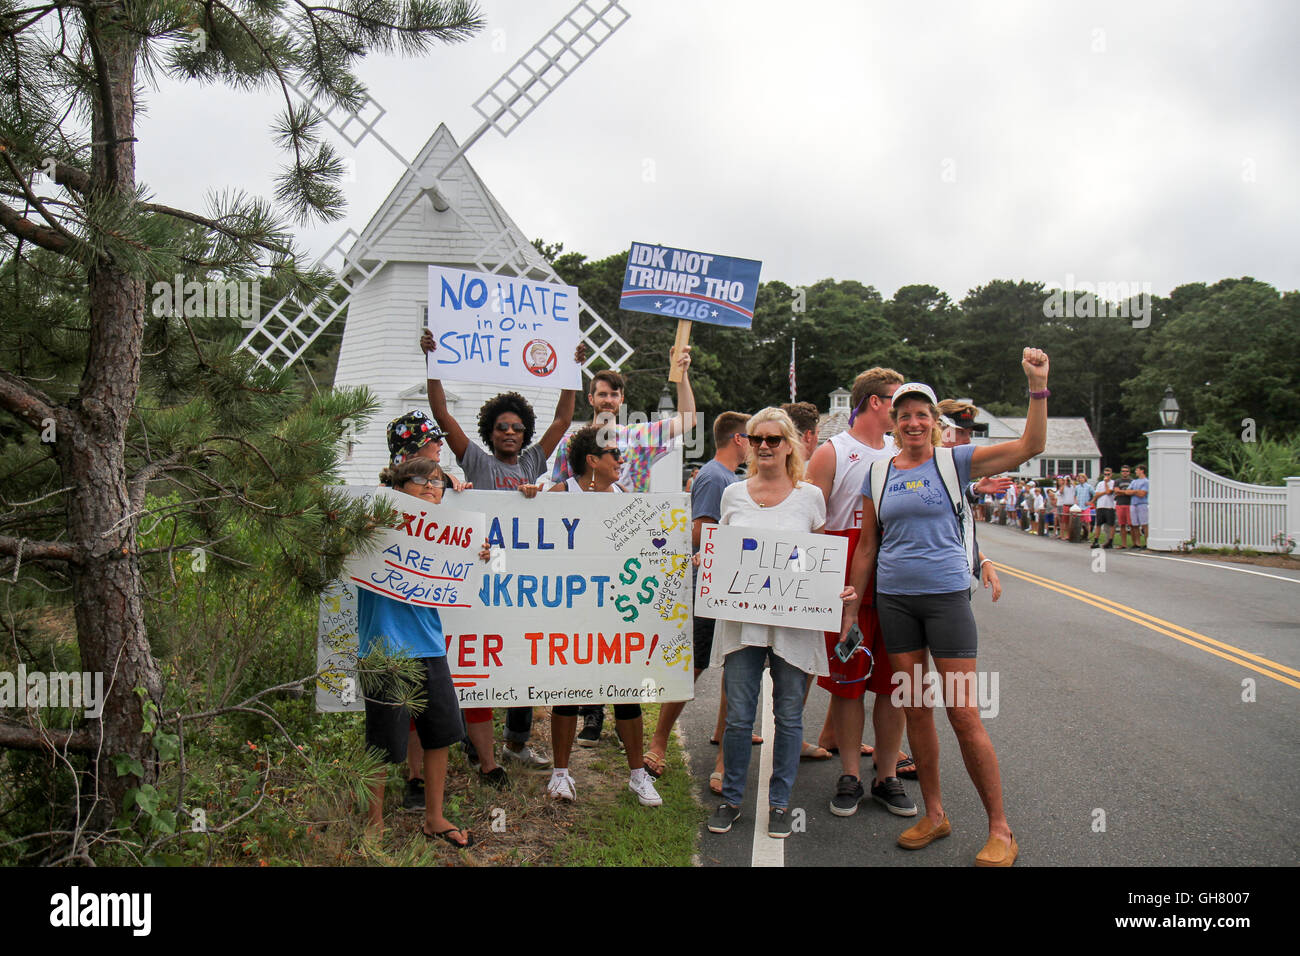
column 503, row 330
column 787, row 578
column 586, row 600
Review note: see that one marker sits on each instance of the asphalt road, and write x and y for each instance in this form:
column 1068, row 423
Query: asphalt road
column 1120, row 700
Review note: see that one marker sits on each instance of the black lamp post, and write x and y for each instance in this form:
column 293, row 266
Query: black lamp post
column 666, row 407
column 1170, row 413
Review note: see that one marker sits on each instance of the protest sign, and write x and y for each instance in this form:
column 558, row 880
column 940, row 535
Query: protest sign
column 681, row 284
column 786, row 578
column 430, row 558
column 503, row 330
column 585, row 601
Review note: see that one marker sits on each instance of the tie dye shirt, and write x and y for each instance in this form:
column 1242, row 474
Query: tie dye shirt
column 642, row 445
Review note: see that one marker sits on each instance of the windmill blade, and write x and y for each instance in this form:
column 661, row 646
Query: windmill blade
column 281, row 335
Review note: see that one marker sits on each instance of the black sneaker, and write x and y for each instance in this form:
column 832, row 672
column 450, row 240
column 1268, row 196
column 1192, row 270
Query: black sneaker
column 778, row 823
column 848, row 794
column 414, row 799
column 723, row 818
column 891, row 795
column 498, row 778
column 589, row 736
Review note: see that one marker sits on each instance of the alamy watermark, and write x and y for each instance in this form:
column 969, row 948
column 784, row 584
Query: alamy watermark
column 692, row 440
column 235, row 298
column 79, row 690
column 978, row 688
column 1085, row 300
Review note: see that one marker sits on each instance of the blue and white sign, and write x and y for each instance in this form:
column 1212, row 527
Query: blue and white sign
column 502, row 330
column 682, row 284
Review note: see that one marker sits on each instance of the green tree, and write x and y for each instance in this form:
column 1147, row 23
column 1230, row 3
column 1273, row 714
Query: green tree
column 104, row 396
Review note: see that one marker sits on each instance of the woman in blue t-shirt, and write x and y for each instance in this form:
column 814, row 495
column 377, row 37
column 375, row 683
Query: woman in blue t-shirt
column 922, row 575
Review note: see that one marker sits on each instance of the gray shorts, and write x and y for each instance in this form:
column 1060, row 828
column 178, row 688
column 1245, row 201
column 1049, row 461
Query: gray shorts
column 943, row 623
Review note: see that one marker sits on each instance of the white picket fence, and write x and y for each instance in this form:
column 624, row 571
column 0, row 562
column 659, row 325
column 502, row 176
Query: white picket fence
column 1227, row 513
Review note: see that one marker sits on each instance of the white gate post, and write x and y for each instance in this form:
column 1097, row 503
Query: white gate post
column 1293, row 508
column 1169, row 455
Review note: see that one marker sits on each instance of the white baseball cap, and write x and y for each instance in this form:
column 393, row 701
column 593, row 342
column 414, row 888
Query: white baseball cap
column 915, row 388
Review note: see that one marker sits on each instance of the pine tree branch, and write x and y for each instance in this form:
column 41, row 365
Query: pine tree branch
column 40, row 550
column 35, row 201
column 29, row 231
column 19, row 737
column 30, row 404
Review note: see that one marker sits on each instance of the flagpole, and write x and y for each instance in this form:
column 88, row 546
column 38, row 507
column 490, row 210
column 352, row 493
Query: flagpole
column 792, row 382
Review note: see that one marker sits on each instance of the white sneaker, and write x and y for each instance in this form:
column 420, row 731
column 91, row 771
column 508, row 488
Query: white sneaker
column 562, row 788
column 644, row 788
column 527, row 758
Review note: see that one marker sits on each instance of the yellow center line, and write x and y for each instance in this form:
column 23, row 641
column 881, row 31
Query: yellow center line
column 1156, row 624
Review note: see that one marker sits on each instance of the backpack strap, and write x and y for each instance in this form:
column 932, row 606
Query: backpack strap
column 947, row 465
column 878, row 474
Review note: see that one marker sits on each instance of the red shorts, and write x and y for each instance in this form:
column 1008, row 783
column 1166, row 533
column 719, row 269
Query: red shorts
column 846, row 679
column 1123, row 515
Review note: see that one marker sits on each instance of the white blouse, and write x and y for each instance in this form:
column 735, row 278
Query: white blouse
column 804, row 509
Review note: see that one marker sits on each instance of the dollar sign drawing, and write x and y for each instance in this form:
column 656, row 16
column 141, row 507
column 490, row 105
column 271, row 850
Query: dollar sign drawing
column 628, row 574
column 647, row 592
column 624, row 603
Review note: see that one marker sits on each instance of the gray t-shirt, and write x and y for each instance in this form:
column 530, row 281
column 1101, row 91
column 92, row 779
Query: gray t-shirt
column 706, row 492
column 489, row 473
column 921, row 549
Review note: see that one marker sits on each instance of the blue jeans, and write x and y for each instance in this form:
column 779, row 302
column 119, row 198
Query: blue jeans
column 742, row 675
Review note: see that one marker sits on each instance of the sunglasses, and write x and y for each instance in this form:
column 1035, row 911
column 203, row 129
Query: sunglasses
column 618, row 455
column 770, row 440
column 421, row 480
column 861, row 648
column 511, row 427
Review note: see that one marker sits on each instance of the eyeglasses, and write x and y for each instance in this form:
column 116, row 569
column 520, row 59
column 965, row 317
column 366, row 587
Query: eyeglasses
column 871, row 667
column 865, row 399
column 511, row 427
column 618, row 455
column 770, row 440
column 431, row 482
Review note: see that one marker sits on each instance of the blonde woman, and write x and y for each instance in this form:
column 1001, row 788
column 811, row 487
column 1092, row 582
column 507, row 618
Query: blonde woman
column 922, row 574
column 774, row 497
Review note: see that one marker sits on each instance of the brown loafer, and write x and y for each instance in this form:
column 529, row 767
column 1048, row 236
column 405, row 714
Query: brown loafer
column 924, row 833
column 997, row 853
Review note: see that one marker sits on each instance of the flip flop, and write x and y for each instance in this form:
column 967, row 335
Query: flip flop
column 813, row 752
column 715, row 783
column 867, row 750
column 905, row 768
column 446, row 835
column 655, row 763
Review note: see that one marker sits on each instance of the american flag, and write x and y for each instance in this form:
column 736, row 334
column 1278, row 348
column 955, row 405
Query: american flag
column 792, row 385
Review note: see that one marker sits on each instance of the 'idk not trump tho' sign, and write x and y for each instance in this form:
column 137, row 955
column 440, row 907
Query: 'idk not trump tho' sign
column 786, row 578
column 586, row 600
column 681, row 284
column 502, row 330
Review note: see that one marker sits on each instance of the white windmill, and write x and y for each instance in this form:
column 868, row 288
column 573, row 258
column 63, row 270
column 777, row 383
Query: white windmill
column 439, row 213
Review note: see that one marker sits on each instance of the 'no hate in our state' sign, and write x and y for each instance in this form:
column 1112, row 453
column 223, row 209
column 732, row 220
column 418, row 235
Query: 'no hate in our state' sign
column 502, row 330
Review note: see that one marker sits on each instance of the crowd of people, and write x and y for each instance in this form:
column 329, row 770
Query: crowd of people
column 902, row 484
column 1112, row 512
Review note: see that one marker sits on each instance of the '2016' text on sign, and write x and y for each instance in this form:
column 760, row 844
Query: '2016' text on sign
column 502, row 330
column 719, row 290
column 585, row 601
column 786, row 578
column 430, row 558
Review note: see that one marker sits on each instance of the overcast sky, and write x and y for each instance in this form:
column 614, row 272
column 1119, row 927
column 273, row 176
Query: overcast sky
column 947, row 142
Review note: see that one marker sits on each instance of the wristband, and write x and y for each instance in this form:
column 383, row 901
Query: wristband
column 986, row 561
column 1045, row 393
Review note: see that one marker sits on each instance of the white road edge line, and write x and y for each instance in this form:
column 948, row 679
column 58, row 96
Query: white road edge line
column 766, row 851
column 1224, row 567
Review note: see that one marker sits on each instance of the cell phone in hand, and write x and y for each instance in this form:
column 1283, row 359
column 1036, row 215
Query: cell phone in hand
column 853, row 640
